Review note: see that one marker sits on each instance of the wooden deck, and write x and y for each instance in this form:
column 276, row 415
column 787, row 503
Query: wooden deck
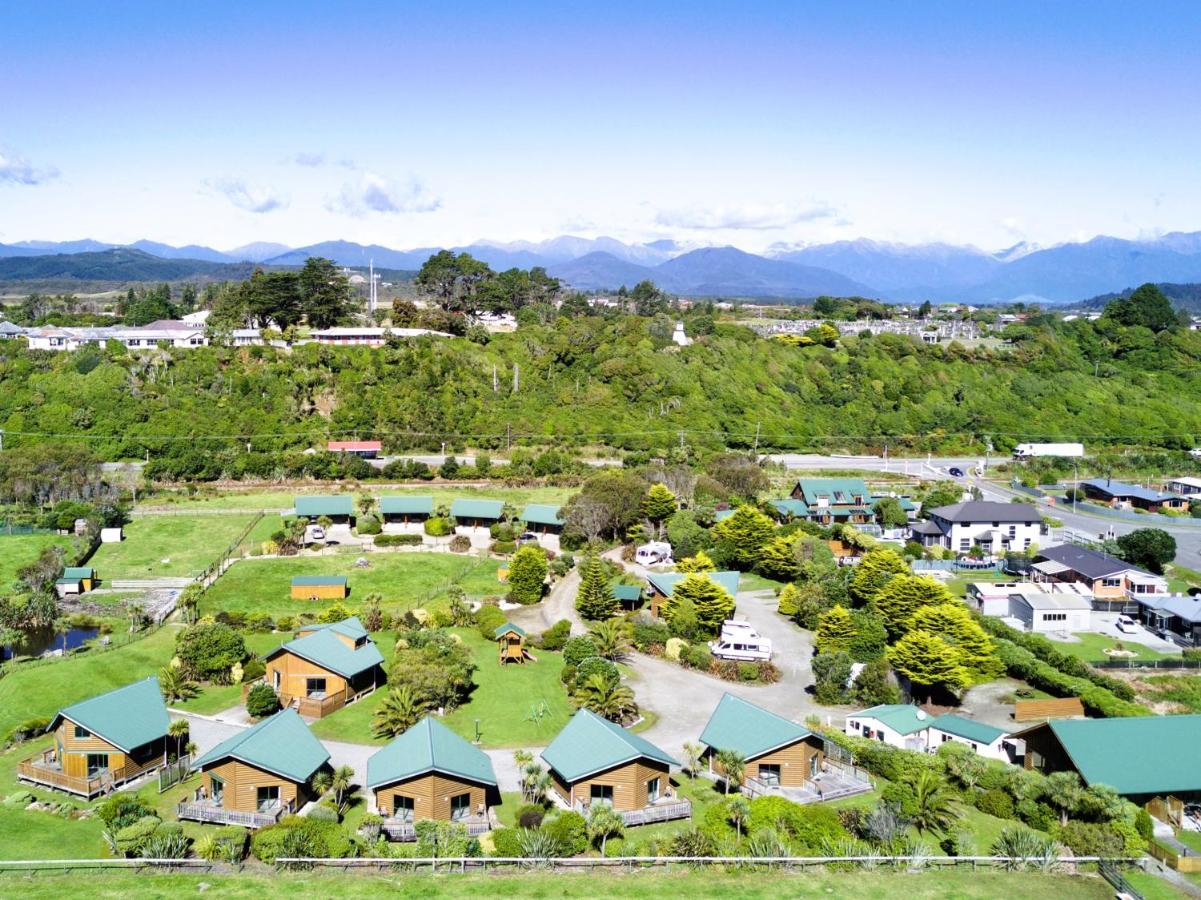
column 219, row 815
column 662, row 811
column 44, row 771
column 405, row 830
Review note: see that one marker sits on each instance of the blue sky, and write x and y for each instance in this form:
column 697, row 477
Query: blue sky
column 750, row 124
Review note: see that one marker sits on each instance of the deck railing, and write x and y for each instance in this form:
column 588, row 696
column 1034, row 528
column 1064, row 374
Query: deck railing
column 207, row 812
column 41, row 770
column 660, row 812
column 406, row 830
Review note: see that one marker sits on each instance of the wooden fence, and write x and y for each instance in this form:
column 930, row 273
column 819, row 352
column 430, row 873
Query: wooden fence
column 1028, row 710
column 1189, row 864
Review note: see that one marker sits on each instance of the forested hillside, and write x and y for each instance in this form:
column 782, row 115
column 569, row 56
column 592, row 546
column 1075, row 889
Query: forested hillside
column 615, row 381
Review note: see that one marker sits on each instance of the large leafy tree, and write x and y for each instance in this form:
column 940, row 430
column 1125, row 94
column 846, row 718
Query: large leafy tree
column 929, row 661
column 527, row 574
column 835, row 631
column 955, row 625
column 778, row 559
column 1147, row 306
column 273, row 298
column 713, row 605
column 324, row 293
column 453, row 280
column 658, row 504
column 742, row 536
column 1153, row 548
column 874, row 571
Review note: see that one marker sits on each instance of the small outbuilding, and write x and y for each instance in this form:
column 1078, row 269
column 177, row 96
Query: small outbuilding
column 320, row 587
column 75, row 580
column 476, row 513
column 112, row 535
column 407, row 510
column 511, row 640
column 542, row 518
column 628, row 595
column 661, row 585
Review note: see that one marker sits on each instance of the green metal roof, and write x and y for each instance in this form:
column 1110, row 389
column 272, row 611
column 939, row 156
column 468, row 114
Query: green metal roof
column 969, row 729
column 541, row 514
column 795, row 509
column 477, row 509
column 665, row 582
column 281, row 744
column 1134, row 755
column 738, row 724
column 721, row 515
column 127, row 718
column 627, row 593
column 325, row 648
column 406, row 506
column 836, row 491
column 74, row 572
column 589, row 744
column 902, row 718
column 429, row 746
column 351, row 627
column 315, row 580
column 507, row 627
column 340, row 505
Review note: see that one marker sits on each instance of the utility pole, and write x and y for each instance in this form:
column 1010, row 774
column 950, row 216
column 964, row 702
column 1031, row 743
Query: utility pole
column 508, row 436
column 757, row 427
column 495, row 382
column 516, row 379
column 1075, row 484
column 1, row 440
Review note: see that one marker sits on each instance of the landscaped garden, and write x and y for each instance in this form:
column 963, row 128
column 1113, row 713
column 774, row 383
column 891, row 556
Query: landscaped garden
column 1091, row 648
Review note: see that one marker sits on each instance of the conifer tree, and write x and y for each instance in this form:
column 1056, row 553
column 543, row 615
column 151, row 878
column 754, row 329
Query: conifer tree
column 835, row 631
column 903, row 595
column 929, row 661
column 595, row 598
column 874, row 571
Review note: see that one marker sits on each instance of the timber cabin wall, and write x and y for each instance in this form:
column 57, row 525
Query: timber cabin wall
column 1044, row 752
column 793, row 761
column 73, row 755
column 242, row 783
column 628, row 782
column 293, row 672
column 318, row 592
column 431, row 796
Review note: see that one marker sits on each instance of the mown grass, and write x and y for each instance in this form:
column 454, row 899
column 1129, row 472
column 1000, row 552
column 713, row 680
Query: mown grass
column 1092, row 647
column 275, row 500
column 18, row 550
column 167, row 546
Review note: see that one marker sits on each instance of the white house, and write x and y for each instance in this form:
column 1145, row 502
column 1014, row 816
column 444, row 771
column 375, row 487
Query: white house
column 1048, row 612
column 991, row 598
column 994, row 527
column 895, row 724
column 1185, row 486
column 986, row 740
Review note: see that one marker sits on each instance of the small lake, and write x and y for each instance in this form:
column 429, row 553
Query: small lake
column 35, row 643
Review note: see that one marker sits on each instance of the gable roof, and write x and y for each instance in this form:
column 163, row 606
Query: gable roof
column 281, row 744
column 338, row 505
column 1111, row 488
column 970, row 729
column 411, row 506
column 325, row 648
column 589, row 744
column 1089, row 563
column 507, row 627
column 351, row 627
column 315, row 580
column 738, row 724
column 627, row 593
column 477, row 509
column 835, row 491
column 429, row 746
column 128, row 717
column 74, row 572
column 1135, row 754
column 903, row 718
column 1182, row 606
column 541, row 514
column 791, row 507
column 988, row 511
column 665, row 582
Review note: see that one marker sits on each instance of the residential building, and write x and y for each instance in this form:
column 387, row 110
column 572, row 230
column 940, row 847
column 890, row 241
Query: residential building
column 104, row 742
column 338, row 508
column 991, row 598
column 1121, row 495
column 320, row 587
column 831, row 500
column 1116, row 585
column 1175, row 615
column 1141, row 757
column 1185, row 486
column 410, row 513
column 542, row 518
column 593, row 760
column 258, row 775
column 777, row 752
column 325, row 667
column 661, row 585
column 365, row 449
column 363, row 336
column 986, row 740
column 1045, row 612
column 896, row 724
column 472, row 514
column 430, row 773
column 787, row 509
column 993, row 527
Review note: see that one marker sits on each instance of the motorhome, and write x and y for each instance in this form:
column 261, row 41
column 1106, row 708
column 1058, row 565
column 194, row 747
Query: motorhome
column 740, row 642
column 655, row 553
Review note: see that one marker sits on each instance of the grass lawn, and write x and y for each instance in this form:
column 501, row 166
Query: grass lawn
column 158, row 546
column 405, row 580
column 215, row 698
column 1152, row 887
column 18, row 550
column 1180, row 579
column 1182, row 689
column 262, row 531
column 749, row 885
column 276, row 500
column 1091, row 647
column 502, row 700
column 752, row 581
column 1191, row 839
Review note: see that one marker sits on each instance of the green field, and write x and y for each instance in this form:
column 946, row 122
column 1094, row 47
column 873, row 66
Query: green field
column 405, row 580
column 1183, row 689
column 18, row 550
column 1091, row 647
column 276, row 501
column 503, row 700
column 167, row 546
column 716, row 882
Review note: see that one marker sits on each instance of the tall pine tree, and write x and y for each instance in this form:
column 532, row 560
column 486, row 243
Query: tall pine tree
column 595, row 599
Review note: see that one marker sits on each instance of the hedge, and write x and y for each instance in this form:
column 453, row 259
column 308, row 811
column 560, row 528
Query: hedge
column 397, row 540
column 1021, row 663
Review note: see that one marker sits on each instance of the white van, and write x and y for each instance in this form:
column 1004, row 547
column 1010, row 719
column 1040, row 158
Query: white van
column 735, row 629
column 742, row 649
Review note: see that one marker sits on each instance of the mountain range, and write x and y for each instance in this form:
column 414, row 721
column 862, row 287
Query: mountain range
column 1063, row 273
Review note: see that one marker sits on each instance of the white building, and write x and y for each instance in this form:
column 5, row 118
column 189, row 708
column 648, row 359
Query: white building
column 679, row 337
column 991, row 598
column 987, row 740
column 1043, row 613
column 994, row 527
column 896, row 724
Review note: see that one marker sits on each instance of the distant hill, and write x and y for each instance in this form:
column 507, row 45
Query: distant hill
column 190, row 251
column 601, row 271
column 120, row 264
column 898, row 267
column 1184, row 296
column 348, row 253
column 256, row 252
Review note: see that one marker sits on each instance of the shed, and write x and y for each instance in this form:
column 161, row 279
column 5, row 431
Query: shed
column 75, row 580
column 628, row 595
column 339, row 507
column 543, row 518
column 320, row 587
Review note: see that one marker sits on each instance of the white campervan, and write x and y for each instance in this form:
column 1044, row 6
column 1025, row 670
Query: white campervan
column 740, row 642
column 654, row 553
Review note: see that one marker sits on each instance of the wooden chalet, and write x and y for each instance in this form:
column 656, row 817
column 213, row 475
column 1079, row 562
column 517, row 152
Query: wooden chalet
column 320, row 587
column 103, row 743
column 429, row 772
column 593, row 760
column 661, row 585
column 542, row 518
column 325, row 667
column 476, row 513
column 406, row 510
column 338, row 508
column 778, row 753
column 259, row 775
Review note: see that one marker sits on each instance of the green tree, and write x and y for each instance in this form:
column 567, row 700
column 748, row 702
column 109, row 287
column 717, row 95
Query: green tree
column 741, row 536
column 944, row 493
column 903, row 595
column 889, row 512
column 874, row 571
column 612, row 639
column 261, row 701
column 873, row 686
column 713, row 605
column 732, row 766
column 1147, row 306
column 273, row 298
column 399, row 711
column 324, row 293
column 955, row 625
column 831, row 671
column 658, row 504
column 929, row 661
column 1152, row 548
column 595, row 598
column 604, row 822
column 777, row 559
column 933, row 806
column 648, row 299
column 175, row 686
column 835, row 631
column 453, row 281
column 1065, row 792
column 527, row 574
column 788, row 603
column 608, row 700
column 698, row 563
column 209, row 650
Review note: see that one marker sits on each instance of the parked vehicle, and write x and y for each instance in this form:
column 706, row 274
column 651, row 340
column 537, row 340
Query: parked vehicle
column 736, row 629
column 1029, row 451
column 654, row 553
column 527, row 537
column 316, row 533
column 956, row 472
column 742, row 649
column 1196, row 451
column 1127, row 625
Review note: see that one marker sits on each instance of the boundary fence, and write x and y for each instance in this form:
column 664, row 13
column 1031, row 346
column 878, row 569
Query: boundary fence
column 216, row 568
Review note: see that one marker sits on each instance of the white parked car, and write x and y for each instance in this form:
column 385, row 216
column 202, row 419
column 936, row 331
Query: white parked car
column 1196, row 451
column 1127, row 625
column 742, row 649
column 316, row 533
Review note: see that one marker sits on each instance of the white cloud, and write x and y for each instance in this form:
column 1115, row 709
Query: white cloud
column 744, row 217
column 312, row 160
column 16, row 169
column 376, row 194
column 250, row 198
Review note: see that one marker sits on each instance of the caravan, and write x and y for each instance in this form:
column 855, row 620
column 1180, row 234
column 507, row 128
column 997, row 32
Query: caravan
column 740, row 642
column 654, row 553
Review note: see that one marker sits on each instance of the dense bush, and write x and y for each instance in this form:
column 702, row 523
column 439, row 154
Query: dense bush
column 527, row 575
column 530, row 815
column 996, row 803
column 570, row 832
column 488, row 619
column 301, row 836
column 438, row 526
column 1022, row 664
column 578, row 649
column 261, row 701
column 253, row 668
column 368, row 525
column 506, row 842
column 460, row 543
column 208, row 650
column 647, row 633
column 555, row 637
column 121, row 810
column 398, row 540
column 595, row 665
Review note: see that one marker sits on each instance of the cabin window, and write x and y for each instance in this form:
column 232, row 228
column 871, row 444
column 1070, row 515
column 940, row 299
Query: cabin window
column 217, row 787
column 81, row 732
column 267, row 796
column 97, row 763
column 460, row 807
column 314, row 687
column 652, row 790
column 275, row 674
column 769, row 773
column 601, row 793
column 402, row 808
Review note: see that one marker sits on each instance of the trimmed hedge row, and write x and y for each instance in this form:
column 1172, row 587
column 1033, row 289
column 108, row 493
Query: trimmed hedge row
column 1021, row 663
column 397, row 540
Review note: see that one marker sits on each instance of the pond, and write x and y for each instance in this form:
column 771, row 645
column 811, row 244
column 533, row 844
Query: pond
column 40, row 641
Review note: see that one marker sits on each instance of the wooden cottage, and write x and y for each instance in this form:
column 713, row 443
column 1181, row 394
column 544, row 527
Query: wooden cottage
column 320, row 587
column 104, row 742
column 660, row 586
column 832, row 500
column 406, row 510
column 476, row 513
column 628, row 596
column 593, row 760
column 75, row 580
column 259, row 775
column 542, row 518
column 325, row 667
column 511, row 640
column 778, row 753
column 429, row 772
column 338, row 508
